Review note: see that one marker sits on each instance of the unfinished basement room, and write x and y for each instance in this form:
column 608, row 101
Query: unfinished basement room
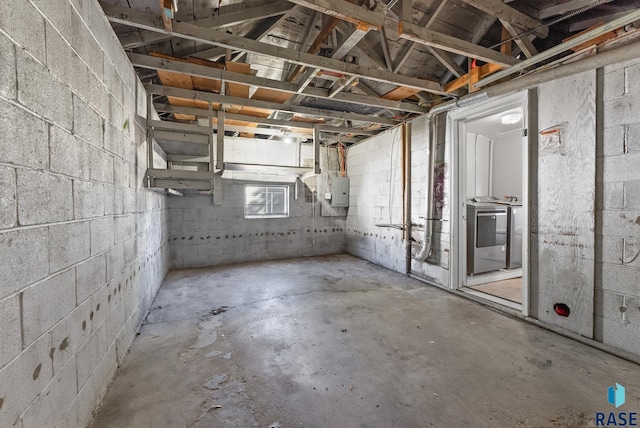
column 319, row 213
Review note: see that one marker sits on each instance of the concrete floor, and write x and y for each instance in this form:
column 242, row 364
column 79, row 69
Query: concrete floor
column 339, row 342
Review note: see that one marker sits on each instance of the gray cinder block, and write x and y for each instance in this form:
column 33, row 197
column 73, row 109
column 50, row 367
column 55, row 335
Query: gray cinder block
column 14, row 17
column 88, row 199
column 10, row 339
column 43, row 198
column 54, row 400
column 45, row 304
column 87, row 124
column 26, row 247
column 90, row 276
column 68, row 155
column 17, row 393
column 7, row 197
column 42, row 92
column 102, row 231
column 7, row 68
column 68, row 244
column 30, row 131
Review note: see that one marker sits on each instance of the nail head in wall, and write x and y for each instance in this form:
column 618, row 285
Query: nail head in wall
column 1, row 402
column 51, row 352
column 84, row 325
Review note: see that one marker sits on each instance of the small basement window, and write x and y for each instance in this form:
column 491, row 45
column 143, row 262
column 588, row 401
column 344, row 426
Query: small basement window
column 266, row 201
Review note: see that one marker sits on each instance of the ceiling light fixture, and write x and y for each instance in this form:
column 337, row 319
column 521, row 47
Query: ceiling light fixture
column 511, row 118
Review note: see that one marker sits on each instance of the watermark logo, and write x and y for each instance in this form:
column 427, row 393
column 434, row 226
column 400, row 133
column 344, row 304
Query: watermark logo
column 616, row 395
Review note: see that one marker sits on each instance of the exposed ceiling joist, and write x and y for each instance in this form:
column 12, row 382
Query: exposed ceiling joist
column 478, row 34
column 138, row 39
column 193, row 111
column 193, row 32
column 524, row 43
column 427, row 20
column 264, row 10
column 434, row 39
column 564, row 46
column 346, row 11
column 590, row 22
column 326, row 29
column 259, row 32
column 203, row 71
column 447, row 61
column 385, row 48
column 563, row 8
column 267, row 105
column 505, row 12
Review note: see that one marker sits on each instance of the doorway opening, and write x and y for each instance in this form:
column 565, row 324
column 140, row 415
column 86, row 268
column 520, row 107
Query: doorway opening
column 490, row 182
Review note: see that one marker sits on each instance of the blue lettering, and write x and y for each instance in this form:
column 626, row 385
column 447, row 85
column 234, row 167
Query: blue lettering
column 611, row 420
column 599, row 419
column 622, row 419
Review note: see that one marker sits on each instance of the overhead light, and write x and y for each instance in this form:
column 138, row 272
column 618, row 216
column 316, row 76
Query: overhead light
column 288, row 140
column 511, row 118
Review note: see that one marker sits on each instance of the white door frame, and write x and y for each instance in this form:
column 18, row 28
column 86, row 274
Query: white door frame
column 456, row 130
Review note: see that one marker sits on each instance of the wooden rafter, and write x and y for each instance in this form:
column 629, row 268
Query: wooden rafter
column 442, row 41
column 214, row 73
column 192, row 32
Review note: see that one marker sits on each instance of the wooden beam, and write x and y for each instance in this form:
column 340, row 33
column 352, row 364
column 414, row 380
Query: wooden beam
column 140, row 38
column 224, row 19
column 179, row 174
column 385, row 48
column 563, row 8
column 243, row 16
column 197, row 70
column 472, row 77
column 442, row 41
column 181, row 137
column 447, row 61
column 163, row 125
column 193, row 111
column 505, row 12
column 166, row 9
column 326, row 29
column 180, row 184
column 220, row 140
column 524, row 43
column 345, row 11
column 478, row 34
column 427, row 20
column 224, row 99
column 126, row 16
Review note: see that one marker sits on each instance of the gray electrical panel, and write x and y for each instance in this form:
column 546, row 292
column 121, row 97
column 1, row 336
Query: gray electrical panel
column 339, row 192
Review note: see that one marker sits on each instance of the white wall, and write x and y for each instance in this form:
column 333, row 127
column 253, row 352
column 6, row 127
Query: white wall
column 507, row 165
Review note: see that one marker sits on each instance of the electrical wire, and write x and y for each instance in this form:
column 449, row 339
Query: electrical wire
column 583, row 9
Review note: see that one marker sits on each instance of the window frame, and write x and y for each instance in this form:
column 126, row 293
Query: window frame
column 268, row 204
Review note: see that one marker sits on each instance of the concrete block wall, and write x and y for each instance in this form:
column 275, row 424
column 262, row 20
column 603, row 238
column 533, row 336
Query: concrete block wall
column 617, row 295
column 84, row 247
column 203, row 234
column 375, row 197
column 436, row 268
